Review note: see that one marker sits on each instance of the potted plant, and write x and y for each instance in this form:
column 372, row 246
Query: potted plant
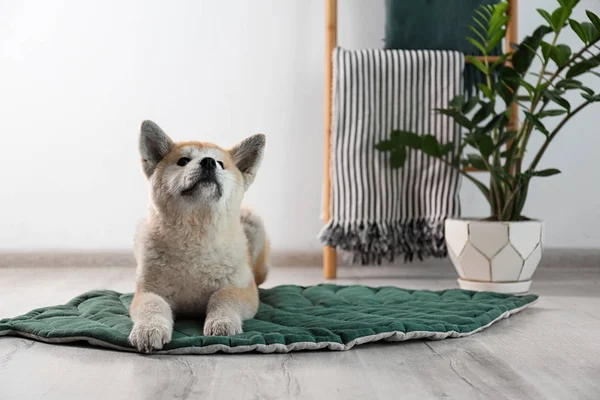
column 501, row 253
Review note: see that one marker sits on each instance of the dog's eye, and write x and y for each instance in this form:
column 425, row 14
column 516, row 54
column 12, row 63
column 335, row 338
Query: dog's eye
column 183, row 161
column 221, row 164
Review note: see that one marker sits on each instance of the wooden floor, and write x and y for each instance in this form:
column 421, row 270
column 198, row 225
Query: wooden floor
column 551, row 351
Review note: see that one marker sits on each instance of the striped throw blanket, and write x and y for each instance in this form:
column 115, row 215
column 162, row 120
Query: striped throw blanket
column 378, row 212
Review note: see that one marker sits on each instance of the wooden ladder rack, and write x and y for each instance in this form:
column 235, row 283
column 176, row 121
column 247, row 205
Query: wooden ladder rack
column 329, row 253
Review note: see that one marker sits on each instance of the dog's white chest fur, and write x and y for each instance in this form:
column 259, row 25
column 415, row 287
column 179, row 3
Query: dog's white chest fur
column 186, row 271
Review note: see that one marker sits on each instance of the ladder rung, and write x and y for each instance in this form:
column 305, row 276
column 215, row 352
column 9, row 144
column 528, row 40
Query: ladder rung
column 482, row 58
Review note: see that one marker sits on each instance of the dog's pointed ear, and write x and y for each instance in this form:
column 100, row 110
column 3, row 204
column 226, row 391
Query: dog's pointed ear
column 154, row 146
column 248, row 155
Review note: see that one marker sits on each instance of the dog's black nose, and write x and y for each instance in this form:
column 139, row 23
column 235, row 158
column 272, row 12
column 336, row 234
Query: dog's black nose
column 208, row 163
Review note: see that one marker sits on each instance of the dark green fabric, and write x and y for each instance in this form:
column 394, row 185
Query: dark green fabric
column 287, row 314
column 435, row 25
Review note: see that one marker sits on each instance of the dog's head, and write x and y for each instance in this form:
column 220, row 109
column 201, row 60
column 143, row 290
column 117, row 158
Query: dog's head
column 191, row 177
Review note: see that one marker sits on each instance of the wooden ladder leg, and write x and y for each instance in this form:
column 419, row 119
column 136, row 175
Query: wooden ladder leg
column 329, row 263
column 329, row 253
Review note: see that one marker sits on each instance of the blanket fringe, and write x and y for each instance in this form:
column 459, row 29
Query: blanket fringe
column 372, row 243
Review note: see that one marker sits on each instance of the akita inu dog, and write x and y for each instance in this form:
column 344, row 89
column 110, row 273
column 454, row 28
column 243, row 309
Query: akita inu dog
column 199, row 253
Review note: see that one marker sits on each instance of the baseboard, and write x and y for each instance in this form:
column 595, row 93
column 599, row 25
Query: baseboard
column 117, row 258
column 124, row 258
column 553, row 258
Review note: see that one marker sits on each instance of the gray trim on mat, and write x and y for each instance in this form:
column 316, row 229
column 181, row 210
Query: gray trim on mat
column 394, row 336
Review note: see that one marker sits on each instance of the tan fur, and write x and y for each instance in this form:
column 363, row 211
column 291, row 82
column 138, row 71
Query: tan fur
column 259, row 268
column 199, row 255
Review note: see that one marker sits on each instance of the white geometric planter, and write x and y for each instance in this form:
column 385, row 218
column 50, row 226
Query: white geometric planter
column 494, row 256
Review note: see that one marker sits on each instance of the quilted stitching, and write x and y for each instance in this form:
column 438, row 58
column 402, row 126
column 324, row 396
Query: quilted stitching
column 288, row 314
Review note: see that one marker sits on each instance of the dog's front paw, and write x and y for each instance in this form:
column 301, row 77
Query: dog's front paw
column 222, row 326
column 148, row 336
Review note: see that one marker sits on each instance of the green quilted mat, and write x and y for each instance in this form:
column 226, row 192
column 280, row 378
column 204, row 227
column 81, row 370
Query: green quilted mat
column 290, row 318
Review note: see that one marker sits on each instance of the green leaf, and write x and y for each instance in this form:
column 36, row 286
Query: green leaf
column 568, row 3
column 497, row 25
column 408, row 139
column 476, row 44
column 398, row 157
column 485, row 144
column 498, row 19
column 578, row 29
column 546, row 50
column 457, row 116
column 537, row 123
column 481, row 25
column 559, row 17
column 483, row 17
column 477, row 63
column 396, row 137
column 469, row 105
column 447, row 148
column 431, row 146
column 591, row 98
column 476, row 32
column 561, row 54
column 551, row 113
column 511, row 77
column 523, row 57
column 489, row 9
column 486, row 91
column 484, row 112
column 476, row 161
column 567, row 84
column 594, row 18
column 590, row 31
column 385, row 145
column 457, row 102
column 546, row 172
column 498, row 10
column 495, row 40
column 557, row 98
column 529, row 87
column 583, row 66
column 504, row 92
column 578, row 69
column 546, row 16
column 470, row 139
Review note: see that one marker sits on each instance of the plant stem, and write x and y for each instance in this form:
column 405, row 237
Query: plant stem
column 551, row 136
column 527, row 127
column 458, row 154
column 494, row 184
column 508, row 201
column 495, row 189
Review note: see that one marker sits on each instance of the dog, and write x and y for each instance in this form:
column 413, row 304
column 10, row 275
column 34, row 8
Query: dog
column 199, row 253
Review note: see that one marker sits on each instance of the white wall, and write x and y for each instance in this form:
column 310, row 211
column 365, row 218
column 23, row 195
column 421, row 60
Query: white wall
column 77, row 77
